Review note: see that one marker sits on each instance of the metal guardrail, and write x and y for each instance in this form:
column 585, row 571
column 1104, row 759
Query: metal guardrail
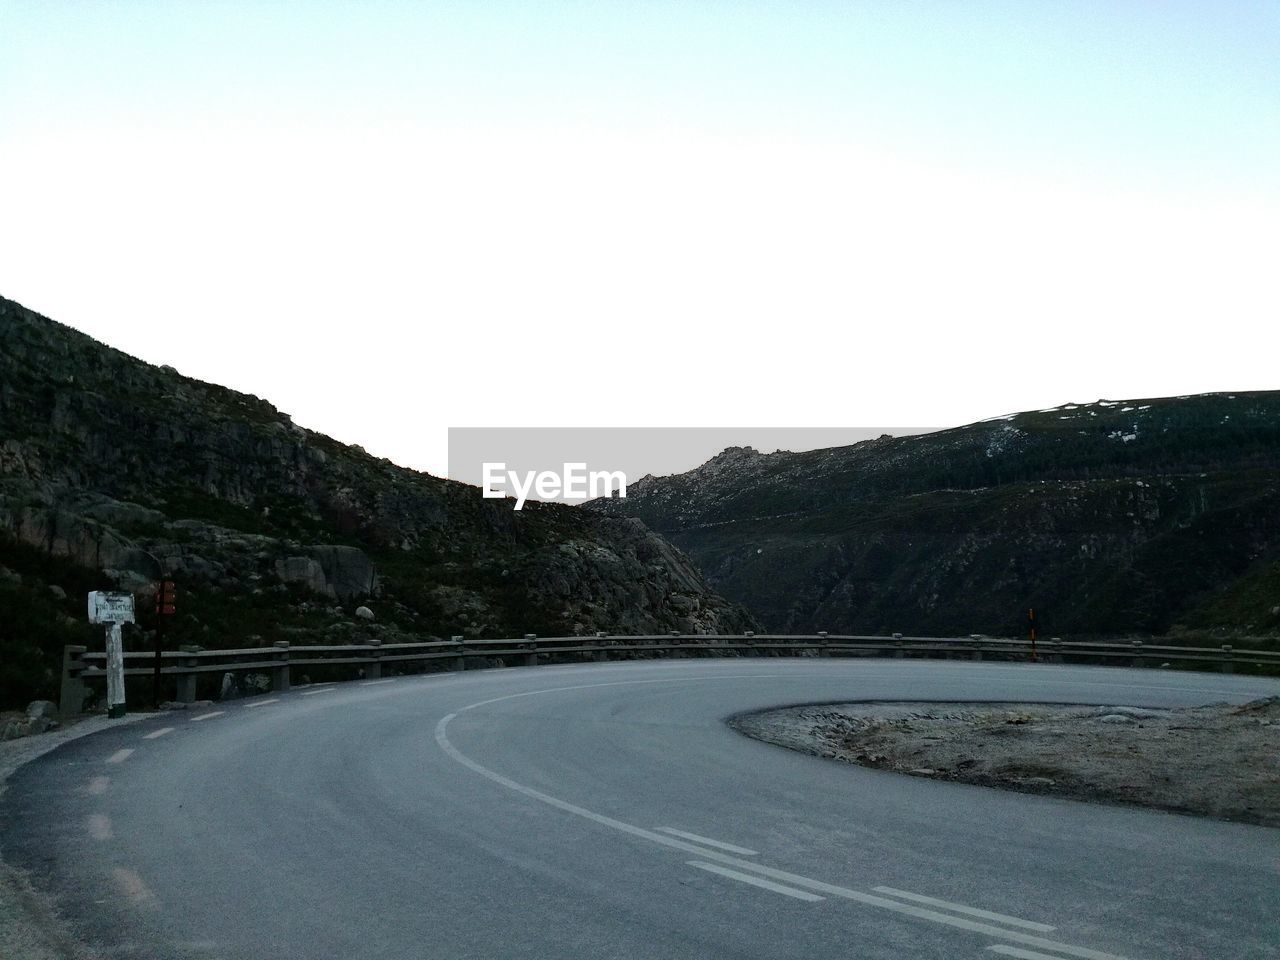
column 187, row 664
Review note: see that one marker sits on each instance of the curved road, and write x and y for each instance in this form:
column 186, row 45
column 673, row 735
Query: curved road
column 602, row 811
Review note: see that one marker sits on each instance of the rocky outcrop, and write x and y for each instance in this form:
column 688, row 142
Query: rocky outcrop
column 1110, row 518
column 115, row 473
column 633, row 570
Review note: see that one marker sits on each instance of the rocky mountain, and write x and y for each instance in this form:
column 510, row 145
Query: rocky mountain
column 115, row 473
column 1141, row 517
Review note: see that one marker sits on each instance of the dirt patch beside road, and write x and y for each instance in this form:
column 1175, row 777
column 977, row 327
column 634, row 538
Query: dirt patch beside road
column 1218, row 761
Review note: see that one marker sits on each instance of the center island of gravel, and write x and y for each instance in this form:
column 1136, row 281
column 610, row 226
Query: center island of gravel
column 1219, row 761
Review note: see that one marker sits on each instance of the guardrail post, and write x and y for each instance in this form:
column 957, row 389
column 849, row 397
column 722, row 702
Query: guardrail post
column 1228, row 666
column 280, row 674
column 373, row 669
column 187, row 681
column 898, row 652
column 74, row 690
column 531, row 658
column 602, row 655
column 1137, row 654
column 460, row 661
column 975, row 641
column 1056, row 644
column 822, row 644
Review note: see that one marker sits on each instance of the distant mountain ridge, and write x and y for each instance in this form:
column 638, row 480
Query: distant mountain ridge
column 114, row 473
column 1111, row 518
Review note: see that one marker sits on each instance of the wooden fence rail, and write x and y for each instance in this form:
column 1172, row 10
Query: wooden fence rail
column 80, row 667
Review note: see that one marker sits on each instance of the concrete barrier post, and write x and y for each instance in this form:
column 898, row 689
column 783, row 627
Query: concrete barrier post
column 822, row 644
column 280, row 672
column 373, row 669
column 74, row 690
column 187, row 681
column 1227, row 657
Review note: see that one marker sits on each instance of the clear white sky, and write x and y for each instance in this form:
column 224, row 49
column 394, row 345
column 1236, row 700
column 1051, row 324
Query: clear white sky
column 390, row 218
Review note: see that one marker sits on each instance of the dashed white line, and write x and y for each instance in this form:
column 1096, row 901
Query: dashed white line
column 154, row 734
column 263, row 703
column 208, row 716
column 971, row 911
column 312, row 693
column 1021, row 954
column 131, row 886
column 98, row 785
column 120, row 755
column 818, row 886
column 707, row 841
column 99, row 825
column 756, row 881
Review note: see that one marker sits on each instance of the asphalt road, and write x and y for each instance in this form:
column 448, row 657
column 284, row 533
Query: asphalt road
column 607, row 811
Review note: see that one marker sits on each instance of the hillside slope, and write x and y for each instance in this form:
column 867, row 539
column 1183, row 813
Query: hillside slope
column 114, row 473
column 1110, row 518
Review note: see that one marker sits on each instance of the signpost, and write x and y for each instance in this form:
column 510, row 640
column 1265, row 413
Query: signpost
column 166, row 599
column 114, row 610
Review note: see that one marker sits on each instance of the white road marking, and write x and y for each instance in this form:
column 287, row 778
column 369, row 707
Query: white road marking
column 312, row 693
column 207, row 716
column 263, row 703
column 374, row 683
column 99, row 825
column 154, row 734
column 998, row 933
column 98, row 785
column 756, row 881
column 120, row 755
column 131, row 886
column 971, row 911
column 1021, row 954
column 743, row 851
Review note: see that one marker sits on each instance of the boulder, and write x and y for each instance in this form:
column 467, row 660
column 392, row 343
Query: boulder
column 303, row 570
column 230, row 689
column 65, row 533
column 364, row 613
column 337, row 571
column 42, row 708
column 348, row 570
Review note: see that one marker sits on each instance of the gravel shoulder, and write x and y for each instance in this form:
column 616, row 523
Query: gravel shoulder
column 1220, row 761
column 29, row 925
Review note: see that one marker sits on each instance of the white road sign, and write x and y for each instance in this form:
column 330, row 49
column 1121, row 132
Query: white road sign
column 108, row 607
